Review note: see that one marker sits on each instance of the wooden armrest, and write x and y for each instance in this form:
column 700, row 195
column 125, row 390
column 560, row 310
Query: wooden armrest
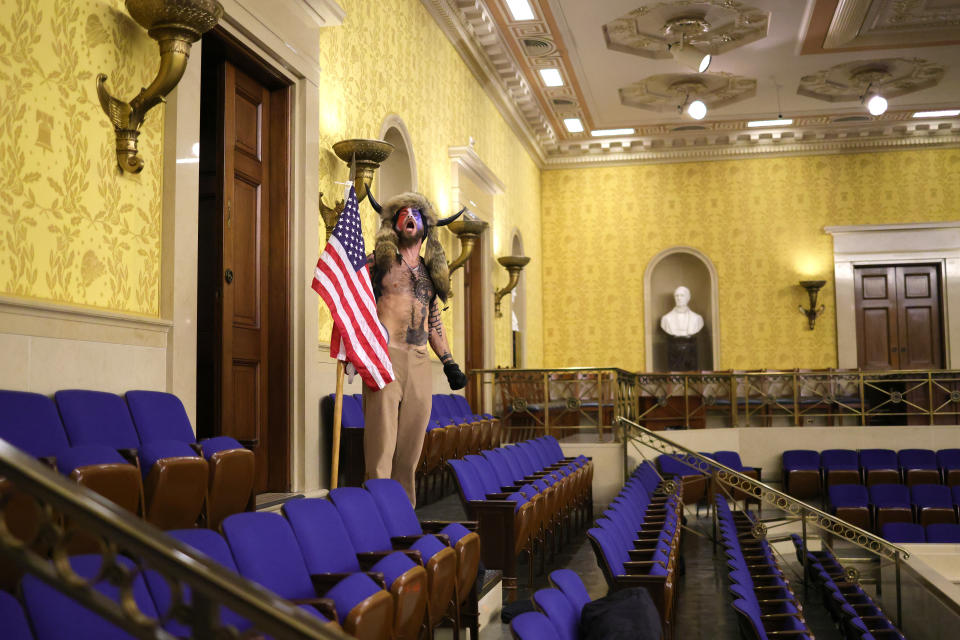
column 499, row 496
column 402, row 542
column 323, row 582
column 323, row 605
column 433, row 526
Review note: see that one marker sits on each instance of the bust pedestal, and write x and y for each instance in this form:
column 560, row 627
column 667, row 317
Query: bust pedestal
column 682, row 353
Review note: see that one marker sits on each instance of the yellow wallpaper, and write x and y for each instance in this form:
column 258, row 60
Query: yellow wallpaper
column 72, row 228
column 761, row 223
column 391, row 58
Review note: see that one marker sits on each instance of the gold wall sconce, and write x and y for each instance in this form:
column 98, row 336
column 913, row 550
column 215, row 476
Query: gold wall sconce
column 364, row 158
column 468, row 229
column 175, row 25
column 514, row 265
column 813, row 288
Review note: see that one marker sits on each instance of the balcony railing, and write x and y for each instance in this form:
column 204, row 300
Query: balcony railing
column 590, row 400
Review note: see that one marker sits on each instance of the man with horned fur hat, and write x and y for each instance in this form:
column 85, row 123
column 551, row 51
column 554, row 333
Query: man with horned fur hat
column 406, row 287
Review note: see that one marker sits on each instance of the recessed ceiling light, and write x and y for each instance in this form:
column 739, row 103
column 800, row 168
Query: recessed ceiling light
column 779, row 122
column 947, row 113
column 597, row 133
column 573, row 125
column 520, row 10
column 551, row 77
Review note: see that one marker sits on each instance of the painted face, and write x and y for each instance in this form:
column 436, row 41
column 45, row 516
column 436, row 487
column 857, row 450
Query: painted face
column 409, row 223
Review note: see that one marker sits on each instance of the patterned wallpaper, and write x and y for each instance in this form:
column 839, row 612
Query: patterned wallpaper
column 391, row 58
column 73, row 229
column 761, row 223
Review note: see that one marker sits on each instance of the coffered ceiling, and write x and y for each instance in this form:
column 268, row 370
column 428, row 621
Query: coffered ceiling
column 807, row 60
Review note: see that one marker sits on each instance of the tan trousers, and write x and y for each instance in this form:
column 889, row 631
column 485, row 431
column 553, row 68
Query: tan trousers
column 395, row 420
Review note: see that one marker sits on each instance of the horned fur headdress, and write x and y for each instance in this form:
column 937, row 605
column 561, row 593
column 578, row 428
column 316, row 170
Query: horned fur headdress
column 387, row 252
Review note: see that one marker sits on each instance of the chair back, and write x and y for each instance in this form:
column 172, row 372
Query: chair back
column 97, row 417
column 560, row 611
column 361, row 518
column 30, row 422
column 395, row 509
column 159, row 416
column 266, row 551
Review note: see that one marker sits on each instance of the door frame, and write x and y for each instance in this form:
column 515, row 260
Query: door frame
column 265, row 32
column 895, row 245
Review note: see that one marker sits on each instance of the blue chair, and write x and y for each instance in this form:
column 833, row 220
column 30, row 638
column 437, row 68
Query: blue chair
column 907, row 532
column 943, row 533
column 267, row 552
column 174, row 475
column 55, row 616
column 569, row 582
column 361, row 518
column 561, row 613
column 402, row 522
column 330, row 556
column 879, row 466
column 15, row 625
column 161, row 417
column 891, row 503
column 839, row 466
column 532, row 625
column 933, row 503
column 211, row 544
column 918, row 466
column 801, row 473
column 948, row 461
column 850, row 502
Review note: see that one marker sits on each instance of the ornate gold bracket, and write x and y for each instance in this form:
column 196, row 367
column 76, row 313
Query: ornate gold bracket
column 468, row 229
column 764, row 492
column 175, row 25
column 514, row 265
column 364, row 158
column 330, row 215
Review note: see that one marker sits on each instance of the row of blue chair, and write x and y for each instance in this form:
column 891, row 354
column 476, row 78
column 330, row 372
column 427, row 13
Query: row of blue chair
column 695, row 487
column 765, row 604
column 522, row 495
column 636, row 541
column 910, row 532
column 360, row 560
column 805, row 471
column 872, row 507
column 557, row 610
column 103, row 440
column 856, row 614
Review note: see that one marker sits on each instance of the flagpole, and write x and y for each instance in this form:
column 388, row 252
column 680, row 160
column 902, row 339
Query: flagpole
column 337, row 419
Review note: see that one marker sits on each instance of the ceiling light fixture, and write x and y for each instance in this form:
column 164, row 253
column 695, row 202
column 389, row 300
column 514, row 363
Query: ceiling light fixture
column 945, row 113
column 598, row 133
column 871, row 77
column 573, row 125
column 780, row 122
column 520, row 10
column 551, row 77
column 697, row 110
column 683, row 52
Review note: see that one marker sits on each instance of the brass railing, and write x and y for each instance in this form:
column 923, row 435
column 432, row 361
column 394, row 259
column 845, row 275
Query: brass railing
column 566, row 401
column 738, row 484
column 63, row 513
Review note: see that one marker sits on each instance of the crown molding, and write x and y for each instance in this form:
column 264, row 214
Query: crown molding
column 472, row 32
column 467, row 158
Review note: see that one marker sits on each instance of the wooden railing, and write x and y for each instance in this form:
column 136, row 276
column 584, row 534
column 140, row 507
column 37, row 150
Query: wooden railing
column 590, row 400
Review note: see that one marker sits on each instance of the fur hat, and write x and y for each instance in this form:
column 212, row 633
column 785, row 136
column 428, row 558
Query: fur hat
column 387, row 253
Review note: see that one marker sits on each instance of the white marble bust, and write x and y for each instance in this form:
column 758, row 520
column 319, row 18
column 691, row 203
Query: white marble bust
column 681, row 321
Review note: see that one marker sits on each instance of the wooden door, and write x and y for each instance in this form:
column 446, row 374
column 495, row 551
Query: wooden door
column 473, row 320
column 898, row 317
column 243, row 262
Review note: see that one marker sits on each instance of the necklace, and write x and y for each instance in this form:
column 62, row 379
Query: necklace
column 415, row 269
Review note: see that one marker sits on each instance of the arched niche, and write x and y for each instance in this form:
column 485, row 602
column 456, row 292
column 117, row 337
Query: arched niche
column 518, row 308
column 668, row 270
column 398, row 173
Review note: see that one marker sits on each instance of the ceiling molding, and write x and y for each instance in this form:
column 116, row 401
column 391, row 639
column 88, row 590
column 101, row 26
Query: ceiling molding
column 489, row 60
column 472, row 28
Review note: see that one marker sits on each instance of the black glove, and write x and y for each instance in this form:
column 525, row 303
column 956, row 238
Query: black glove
column 456, row 378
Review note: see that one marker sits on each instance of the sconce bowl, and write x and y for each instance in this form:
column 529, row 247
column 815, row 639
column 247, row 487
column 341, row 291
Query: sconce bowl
column 196, row 16
column 469, row 226
column 366, row 151
column 812, row 285
column 513, row 262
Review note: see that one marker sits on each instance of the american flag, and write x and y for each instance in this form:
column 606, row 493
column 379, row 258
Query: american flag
column 343, row 281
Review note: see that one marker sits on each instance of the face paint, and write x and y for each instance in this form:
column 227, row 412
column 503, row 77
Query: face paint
column 409, row 222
